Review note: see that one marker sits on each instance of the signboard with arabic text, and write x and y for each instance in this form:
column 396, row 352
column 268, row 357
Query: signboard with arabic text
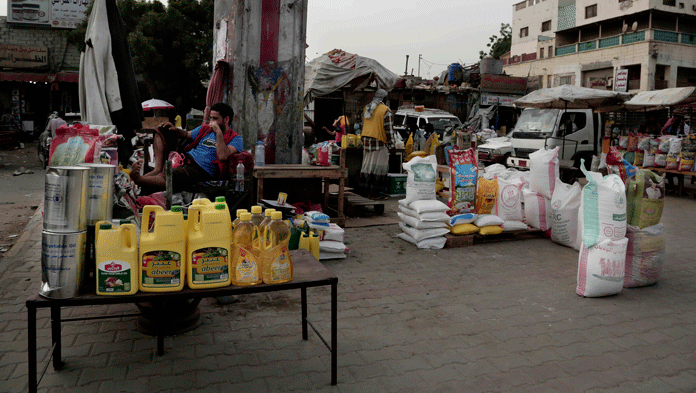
column 15, row 56
column 32, row 12
column 68, row 13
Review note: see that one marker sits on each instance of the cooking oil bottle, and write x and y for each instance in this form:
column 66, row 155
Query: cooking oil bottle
column 162, row 250
column 116, row 259
column 256, row 215
column 221, row 199
column 259, row 230
column 238, row 214
column 208, row 248
column 275, row 253
column 245, row 261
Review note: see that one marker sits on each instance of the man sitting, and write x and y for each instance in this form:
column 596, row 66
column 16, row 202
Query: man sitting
column 204, row 157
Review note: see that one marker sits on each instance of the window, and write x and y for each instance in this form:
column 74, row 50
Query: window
column 669, row 2
column 546, row 26
column 549, row 81
column 541, row 53
column 571, row 122
column 550, row 51
column 591, row 11
column 524, row 31
column 421, row 123
column 565, row 80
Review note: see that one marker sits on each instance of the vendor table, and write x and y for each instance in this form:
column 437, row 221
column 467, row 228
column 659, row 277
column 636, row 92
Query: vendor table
column 680, row 177
column 307, row 273
column 298, row 171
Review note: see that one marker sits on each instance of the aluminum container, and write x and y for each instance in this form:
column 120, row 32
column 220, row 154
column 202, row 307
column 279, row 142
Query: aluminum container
column 65, row 199
column 100, row 192
column 62, row 264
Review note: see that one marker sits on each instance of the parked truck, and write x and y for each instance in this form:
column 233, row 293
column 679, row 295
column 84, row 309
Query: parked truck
column 576, row 131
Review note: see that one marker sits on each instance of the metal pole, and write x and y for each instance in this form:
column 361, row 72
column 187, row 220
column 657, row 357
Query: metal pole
column 419, row 60
column 406, row 69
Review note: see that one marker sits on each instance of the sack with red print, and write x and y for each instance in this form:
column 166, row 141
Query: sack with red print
column 601, row 268
column 463, row 168
column 74, row 145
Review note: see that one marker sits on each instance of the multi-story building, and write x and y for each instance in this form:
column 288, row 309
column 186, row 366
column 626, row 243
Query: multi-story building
column 649, row 44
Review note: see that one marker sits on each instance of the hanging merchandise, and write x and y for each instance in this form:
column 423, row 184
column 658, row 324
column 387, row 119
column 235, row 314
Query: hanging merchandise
column 543, row 171
column 463, row 168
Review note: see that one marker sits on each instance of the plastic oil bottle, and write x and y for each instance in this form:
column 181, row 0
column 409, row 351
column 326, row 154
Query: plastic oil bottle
column 259, row 230
column 245, row 261
column 277, row 265
column 162, row 250
column 221, row 199
column 208, row 248
column 116, row 259
column 257, row 215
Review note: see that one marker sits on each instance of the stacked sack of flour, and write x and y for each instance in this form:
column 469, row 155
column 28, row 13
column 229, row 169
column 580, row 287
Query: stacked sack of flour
column 602, row 217
column 423, row 218
column 543, row 174
column 331, row 244
column 508, row 202
column 645, row 252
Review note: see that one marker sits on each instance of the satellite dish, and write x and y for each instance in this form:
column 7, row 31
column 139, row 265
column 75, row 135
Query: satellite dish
column 624, row 28
column 634, row 26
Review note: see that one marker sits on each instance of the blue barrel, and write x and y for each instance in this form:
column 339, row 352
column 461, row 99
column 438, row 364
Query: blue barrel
column 451, row 70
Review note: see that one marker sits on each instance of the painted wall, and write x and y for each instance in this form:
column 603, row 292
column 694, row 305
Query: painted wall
column 532, row 17
column 264, row 43
column 61, row 55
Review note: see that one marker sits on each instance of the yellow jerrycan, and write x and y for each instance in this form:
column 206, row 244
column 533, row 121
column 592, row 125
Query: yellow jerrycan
column 208, row 248
column 116, row 249
column 162, row 250
column 275, row 253
column 221, row 199
column 246, row 265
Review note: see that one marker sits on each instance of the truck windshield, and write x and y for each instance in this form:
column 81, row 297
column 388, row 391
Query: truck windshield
column 442, row 123
column 537, row 120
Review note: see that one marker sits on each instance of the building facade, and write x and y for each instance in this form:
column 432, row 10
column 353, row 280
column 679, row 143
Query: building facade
column 38, row 73
column 623, row 45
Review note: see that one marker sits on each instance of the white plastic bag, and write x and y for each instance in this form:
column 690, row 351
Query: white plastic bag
column 422, row 175
column 601, row 268
column 543, row 171
column 508, row 204
column 603, row 208
column 537, row 210
column 565, row 205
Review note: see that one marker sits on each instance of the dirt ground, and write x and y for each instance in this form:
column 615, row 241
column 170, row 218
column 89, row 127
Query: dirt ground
column 19, row 195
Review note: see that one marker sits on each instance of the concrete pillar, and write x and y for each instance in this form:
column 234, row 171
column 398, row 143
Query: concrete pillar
column 672, row 75
column 647, row 73
column 264, row 42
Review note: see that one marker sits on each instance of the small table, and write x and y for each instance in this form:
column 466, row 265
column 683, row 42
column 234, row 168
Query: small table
column 307, row 273
column 298, row 171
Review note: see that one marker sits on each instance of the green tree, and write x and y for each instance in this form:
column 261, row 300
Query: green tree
column 499, row 45
column 171, row 47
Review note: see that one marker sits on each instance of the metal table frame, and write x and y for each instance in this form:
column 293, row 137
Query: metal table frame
column 307, row 273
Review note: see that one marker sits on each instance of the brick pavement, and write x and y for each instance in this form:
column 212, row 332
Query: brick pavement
column 489, row 318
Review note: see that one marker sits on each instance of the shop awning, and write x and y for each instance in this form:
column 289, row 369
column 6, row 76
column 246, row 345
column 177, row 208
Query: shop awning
column 36, row 77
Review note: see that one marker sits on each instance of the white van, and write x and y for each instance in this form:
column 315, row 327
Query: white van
column 408, row 119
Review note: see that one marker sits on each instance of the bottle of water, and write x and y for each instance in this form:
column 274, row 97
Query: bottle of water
column 239, row 181
column 260, row 154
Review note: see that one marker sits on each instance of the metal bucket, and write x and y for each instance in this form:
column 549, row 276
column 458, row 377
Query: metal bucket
column 62, row 264
column 65, row 199
column 100, row 192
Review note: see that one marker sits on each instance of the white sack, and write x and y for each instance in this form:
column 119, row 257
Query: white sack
column 422, row 175
column 565, row 205
column 425, row 206
column 508, row 203
column 602, row 211
column 422, row 234
column 543, row 171
column 601, row 268
column 331, row 246
column 537, row 210
column 432, row 243
column 418, row 224
column 514, row 226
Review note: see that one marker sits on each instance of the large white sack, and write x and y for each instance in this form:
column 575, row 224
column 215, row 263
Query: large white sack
column 428, row 216
column 420, row 182
column 431, row 243
column 601, row 268
column 645, row 255
column 422, row 234
column 537, row 210
column 543, row 171
column 418, row 224
column 602, row 213
column 565, row 205
column 508, row 203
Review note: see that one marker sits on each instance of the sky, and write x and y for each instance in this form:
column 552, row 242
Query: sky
column 443, row 31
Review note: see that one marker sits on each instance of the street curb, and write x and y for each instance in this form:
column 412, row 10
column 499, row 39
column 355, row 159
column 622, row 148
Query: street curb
column 27, row 233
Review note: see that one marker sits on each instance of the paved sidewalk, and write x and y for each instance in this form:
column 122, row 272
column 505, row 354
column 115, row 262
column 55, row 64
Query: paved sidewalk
column 489, row 318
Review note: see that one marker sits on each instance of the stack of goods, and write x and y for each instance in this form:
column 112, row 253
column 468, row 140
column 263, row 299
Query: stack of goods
column 331, row 244
column 646, row 244
column 688, row 154
column 320, row 153
column 618, row 165
column 424, row 223
column 603, row 228
column 544, row 172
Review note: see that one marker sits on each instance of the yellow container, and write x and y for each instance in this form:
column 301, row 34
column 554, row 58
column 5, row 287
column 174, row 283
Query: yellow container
column 246, row 264
column 310, row 242
column 221, row 199
column 208, row 248
column 260, row 229
column 277, row 264
column 162, row 250
column 116, row 250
